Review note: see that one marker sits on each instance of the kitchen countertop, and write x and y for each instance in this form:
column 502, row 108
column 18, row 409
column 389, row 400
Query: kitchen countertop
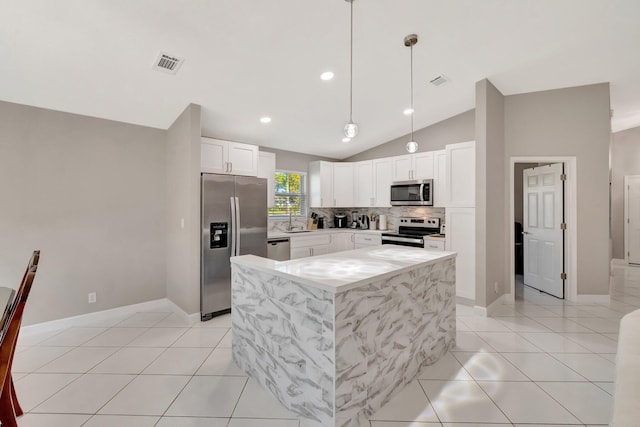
column 341, row 271
column 281, row 234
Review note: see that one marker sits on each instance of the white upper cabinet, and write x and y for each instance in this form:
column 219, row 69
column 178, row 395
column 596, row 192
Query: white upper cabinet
column 461, row 174
column 402, row 167
column 382, row 179
column 423, row 165
column 343, row 188
column 413, row 166
column 440, row 178
column 226, row 157
column 267, row 170
column 321, row 184
column 363, row 175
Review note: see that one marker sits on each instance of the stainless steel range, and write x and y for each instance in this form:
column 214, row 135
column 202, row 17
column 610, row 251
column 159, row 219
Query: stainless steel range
column 416, row 232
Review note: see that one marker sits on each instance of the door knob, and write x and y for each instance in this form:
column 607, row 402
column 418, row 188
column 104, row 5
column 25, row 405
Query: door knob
column 525, row 232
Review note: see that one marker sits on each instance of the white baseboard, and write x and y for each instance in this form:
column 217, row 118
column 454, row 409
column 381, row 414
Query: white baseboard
column 160, row 304
column 189, row 318
column 593, row 299
column 488, row 311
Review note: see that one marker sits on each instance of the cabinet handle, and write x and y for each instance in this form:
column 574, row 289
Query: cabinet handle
column 230, row 167
column 321, row 204
column 334, row 202
column 311, row 251
column 372, row 201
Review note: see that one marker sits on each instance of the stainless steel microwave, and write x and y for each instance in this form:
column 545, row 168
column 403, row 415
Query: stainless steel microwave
column 412, row 193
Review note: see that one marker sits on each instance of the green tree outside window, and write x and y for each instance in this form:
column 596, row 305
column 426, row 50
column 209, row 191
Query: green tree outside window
column 290, row 194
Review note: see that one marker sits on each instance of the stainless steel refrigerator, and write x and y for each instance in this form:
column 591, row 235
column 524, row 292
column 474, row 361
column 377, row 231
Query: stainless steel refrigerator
column 234, row 222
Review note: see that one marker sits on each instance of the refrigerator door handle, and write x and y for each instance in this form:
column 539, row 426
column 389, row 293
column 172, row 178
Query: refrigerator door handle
column 237, row 221
column 233, row 226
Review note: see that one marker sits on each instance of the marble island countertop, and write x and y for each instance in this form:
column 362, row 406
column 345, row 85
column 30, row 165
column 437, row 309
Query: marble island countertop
column 340, row 271
column 278, row 234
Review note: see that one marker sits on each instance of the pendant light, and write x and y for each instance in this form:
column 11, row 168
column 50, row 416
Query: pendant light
column 351, row 129
column 410, row 41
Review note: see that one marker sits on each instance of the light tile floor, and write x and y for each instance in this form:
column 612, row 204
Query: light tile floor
column 538, row 361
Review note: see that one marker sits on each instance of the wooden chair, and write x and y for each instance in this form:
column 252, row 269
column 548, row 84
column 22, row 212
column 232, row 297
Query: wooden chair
column 9, row 406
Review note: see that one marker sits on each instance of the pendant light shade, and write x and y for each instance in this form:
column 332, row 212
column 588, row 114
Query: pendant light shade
column 351, row 129
column 410, row 41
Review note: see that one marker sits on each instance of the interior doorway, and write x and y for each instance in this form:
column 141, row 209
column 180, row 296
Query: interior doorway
column 517, row 216
column 632, row 219
column 543, row 228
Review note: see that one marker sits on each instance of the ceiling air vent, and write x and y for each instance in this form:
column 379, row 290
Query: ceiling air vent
column 168, row 63
column 439, row 81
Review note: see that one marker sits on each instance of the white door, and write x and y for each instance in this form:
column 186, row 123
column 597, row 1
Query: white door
column 214, row 154
column 243, row 159
column 632, row 222
column 543, row 235
column 363, row 172
column 343, row 190
column 402, row 168
column 382, row 177
column 423, row 165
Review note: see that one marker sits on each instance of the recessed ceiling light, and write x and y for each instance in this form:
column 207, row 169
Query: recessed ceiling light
column 327, row 75
column 408, row 111
column 265, row 119
column 345, row 139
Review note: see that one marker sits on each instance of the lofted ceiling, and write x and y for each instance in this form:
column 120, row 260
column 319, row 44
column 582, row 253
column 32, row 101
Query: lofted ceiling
column 251, row 58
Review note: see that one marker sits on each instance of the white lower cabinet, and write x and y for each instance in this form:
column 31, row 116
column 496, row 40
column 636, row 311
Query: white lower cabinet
column 341, row 242
column 434, row 244
column 461, row 231
column 366, row 240
column 305, row 246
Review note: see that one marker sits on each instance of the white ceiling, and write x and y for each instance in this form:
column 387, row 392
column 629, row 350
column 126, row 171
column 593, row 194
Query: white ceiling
column 246, row 59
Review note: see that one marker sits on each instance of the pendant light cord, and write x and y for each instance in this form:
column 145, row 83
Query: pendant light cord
column 351, row 66
column 412, row 110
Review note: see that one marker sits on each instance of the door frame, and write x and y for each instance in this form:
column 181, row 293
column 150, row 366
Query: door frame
column 626, row 216
column 570, row 218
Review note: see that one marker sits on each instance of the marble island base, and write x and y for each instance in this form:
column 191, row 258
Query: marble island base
column 337, row 355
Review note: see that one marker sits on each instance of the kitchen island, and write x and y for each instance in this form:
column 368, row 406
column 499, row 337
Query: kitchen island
column 335, row 336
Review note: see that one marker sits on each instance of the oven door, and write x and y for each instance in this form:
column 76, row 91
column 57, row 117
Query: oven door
column 415, row 242
column 412, row 193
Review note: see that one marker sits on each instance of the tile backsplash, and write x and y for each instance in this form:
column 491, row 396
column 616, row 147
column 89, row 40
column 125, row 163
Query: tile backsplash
column 393, row 215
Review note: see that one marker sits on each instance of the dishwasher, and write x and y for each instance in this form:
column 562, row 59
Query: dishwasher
column 278, row 249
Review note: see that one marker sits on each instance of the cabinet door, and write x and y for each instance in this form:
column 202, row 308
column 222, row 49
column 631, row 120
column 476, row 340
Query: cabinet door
column 382, row 178
column 367, row 240
column 321, row 184
column 461, row 227
column 319, row 250
column 213, row 155
column 363, row 172
column 402, row 168
column 267, row 170
column 341, row 242
column 343, row 184
column 461, row 174
column 302, row 252
column 243, row 159
column 423, row 165
column 440, row 178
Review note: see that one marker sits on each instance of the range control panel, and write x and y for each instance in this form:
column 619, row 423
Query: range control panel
column 420, row 222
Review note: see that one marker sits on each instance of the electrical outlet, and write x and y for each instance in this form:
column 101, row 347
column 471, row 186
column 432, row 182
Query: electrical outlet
column 92, row 297
column 495, row 287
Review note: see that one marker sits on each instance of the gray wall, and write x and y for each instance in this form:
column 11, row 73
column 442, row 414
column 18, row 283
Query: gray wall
column 292, row 161
column 491, row 195
column 571, row 122
column 183, row 202
column 625, row 160
column 458, row 128
column 90, row 194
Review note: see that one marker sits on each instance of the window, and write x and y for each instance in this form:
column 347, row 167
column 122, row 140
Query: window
column 291, row 194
